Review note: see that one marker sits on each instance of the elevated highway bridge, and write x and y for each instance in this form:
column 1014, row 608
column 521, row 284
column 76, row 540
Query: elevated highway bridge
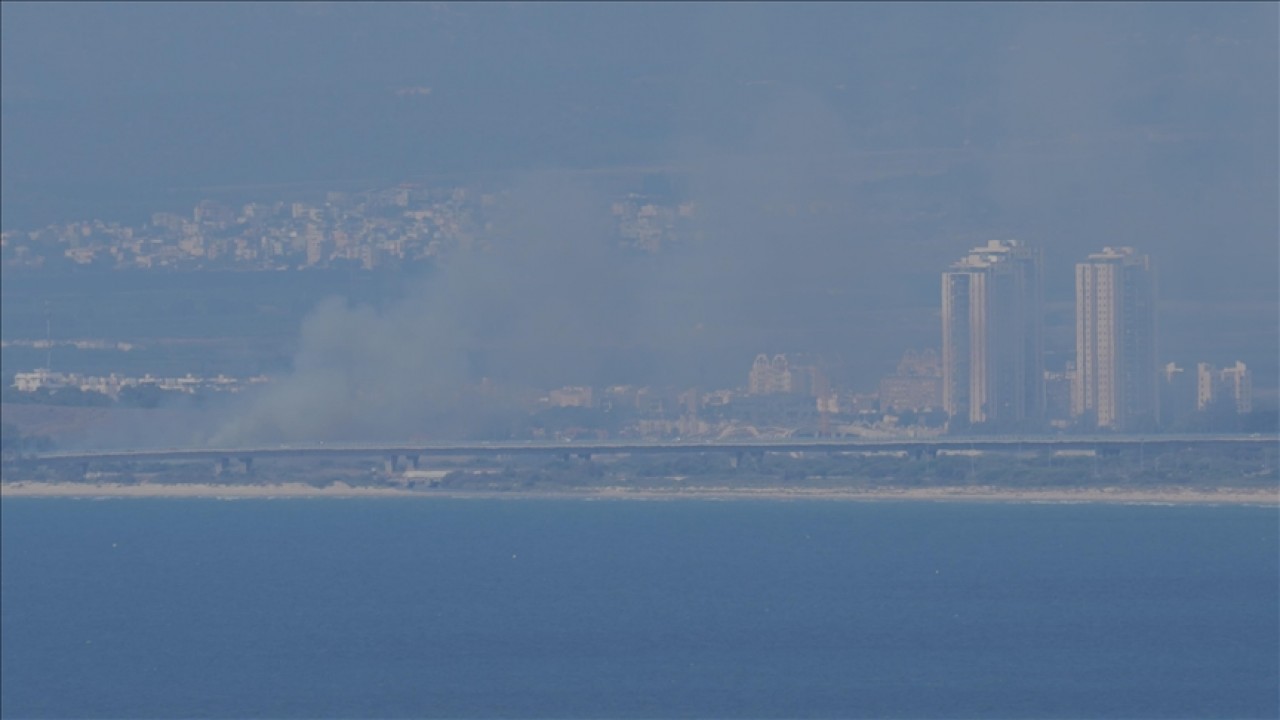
column 415, row 452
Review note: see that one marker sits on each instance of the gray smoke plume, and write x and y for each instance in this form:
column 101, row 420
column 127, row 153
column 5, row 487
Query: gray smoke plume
column 839, row 157
column 535, row 301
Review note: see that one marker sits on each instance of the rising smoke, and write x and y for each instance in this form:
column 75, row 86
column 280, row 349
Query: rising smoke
column 833, row 177
column 540, row 298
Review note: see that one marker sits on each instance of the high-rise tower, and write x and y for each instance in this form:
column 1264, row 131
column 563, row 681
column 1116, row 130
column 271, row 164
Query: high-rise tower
column 1116, row 384
column 1233, row 383
column 992, row 337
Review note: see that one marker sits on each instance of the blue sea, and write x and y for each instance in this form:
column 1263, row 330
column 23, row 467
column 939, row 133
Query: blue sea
column 545, row 608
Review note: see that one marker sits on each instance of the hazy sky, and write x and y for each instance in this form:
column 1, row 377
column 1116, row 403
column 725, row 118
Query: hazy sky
column 840, row 154
column 1154, row 124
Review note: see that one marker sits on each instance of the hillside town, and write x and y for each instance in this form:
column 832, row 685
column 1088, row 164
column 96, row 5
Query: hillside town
column 368, row 230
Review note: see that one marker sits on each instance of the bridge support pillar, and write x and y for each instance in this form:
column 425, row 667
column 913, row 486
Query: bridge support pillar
column 84, row 471
column 389, row 464
column 415, row 460
column 222, row 466
column 584, row 456
column 747, row 458
column 248, row 465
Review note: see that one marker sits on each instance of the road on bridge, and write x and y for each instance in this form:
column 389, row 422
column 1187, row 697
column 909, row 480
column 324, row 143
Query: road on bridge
column 587, row 449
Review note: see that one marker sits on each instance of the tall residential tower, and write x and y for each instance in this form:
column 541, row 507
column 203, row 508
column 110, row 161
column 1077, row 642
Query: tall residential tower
column 1116, row 385
column 992, row 337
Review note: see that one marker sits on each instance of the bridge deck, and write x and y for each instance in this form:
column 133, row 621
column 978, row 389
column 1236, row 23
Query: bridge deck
column 621, row 448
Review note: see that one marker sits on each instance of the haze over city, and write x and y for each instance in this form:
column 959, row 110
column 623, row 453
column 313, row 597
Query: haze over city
column 667, row 193
column 619, row 360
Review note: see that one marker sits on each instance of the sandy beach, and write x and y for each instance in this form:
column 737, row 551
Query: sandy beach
column 1152, row 496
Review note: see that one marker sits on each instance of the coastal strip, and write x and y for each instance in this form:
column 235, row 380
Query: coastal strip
column 1153, row 496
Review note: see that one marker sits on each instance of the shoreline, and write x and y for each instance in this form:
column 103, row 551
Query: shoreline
column 1106, row 495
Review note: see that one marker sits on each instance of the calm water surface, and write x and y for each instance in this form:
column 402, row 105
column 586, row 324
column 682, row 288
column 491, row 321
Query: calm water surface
column 542, row 608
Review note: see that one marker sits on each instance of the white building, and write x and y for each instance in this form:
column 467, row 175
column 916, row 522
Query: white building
column 768, row 377
column 1235, row 382
column 1117, row 375
column 992, row 330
